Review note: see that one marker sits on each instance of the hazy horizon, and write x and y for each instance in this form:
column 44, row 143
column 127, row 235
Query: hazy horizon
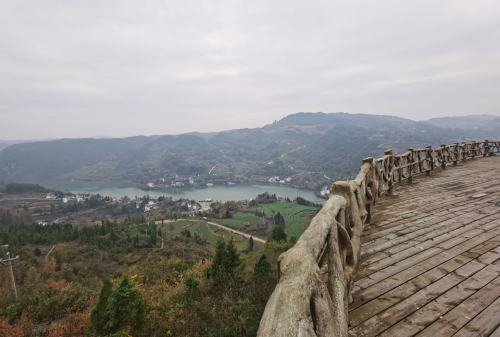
column 120, row 68
column 214, row 131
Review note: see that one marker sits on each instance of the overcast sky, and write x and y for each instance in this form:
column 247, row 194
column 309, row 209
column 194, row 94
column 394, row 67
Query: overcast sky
column 118, row 68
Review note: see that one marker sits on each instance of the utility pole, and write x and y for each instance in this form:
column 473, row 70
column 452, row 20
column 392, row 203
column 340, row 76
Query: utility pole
column 8, row 261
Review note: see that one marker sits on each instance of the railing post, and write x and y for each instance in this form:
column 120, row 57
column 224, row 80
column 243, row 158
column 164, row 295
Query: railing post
column 486, row 151
column 369, row 196
column 494, row 149
column 399, row 168
column 430, row 159
column 455, row 154
column 410, row 167
column 443, row 156
column 390, row 167
column 419, row 161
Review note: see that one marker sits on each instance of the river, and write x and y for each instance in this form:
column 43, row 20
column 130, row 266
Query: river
column 221, row 193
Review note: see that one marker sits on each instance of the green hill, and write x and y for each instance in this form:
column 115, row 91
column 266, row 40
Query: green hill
column 304, row 146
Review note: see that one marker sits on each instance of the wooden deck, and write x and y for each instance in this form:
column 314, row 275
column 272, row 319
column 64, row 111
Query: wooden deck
column 430, row 261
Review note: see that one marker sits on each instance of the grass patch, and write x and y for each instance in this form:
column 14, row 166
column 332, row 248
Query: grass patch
column 297, row 217
column 209, row 233
column 244, row 220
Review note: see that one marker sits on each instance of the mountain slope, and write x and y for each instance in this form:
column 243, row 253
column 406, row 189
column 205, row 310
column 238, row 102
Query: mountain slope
column 308, row 147
column 485, row 126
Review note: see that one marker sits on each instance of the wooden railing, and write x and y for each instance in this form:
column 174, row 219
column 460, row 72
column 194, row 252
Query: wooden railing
column 316, row 274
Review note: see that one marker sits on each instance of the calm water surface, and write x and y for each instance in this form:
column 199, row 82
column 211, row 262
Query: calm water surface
column 222, row 193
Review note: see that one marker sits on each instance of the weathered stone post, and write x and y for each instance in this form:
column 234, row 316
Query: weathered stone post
column 455, row 154
column 430, row 159
column 486, row 148
column 368, row 190
column 443, row 156
column 464, row 151
column 410, row 158
column 419, row 161
column 390, row 174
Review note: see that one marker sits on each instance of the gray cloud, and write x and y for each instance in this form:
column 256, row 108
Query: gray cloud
column 117, row 68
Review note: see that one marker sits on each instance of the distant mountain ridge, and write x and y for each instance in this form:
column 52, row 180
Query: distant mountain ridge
column 487, row 124
column 310, row 148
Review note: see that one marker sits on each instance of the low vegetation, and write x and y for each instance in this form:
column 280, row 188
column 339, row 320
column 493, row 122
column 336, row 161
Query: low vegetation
column 133, row 278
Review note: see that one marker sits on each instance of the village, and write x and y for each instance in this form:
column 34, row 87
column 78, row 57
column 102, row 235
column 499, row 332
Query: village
column 45, row 207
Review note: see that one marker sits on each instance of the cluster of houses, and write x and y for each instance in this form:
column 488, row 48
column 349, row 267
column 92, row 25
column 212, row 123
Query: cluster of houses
column 184, row 205
column 178, row 182
column 148, row 207
column 278, row 180
column 325, row 191
column 65, row 198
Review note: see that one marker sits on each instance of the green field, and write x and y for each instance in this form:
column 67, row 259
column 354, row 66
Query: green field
column 246, row 221
column 207, row 232
column 297, row 218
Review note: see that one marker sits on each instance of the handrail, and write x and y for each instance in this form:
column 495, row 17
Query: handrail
column 316, row 274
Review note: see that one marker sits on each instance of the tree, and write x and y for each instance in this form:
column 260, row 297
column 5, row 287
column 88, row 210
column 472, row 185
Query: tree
column 100, row 314
column 192, row 286
column 152, row 238
column 225, row 261
column 191, row 283
column 232, row 257
column 250, row 244
column 119, row 309
column 278, row 234
column 262, row 268
column 126, row 307
column 263, row 280
column 278, row 219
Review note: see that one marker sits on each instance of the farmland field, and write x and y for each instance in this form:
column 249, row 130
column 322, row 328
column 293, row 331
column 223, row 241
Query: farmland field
column 297, row 218
column 206, row 232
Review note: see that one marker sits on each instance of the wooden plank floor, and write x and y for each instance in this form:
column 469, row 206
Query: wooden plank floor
column 430, row 261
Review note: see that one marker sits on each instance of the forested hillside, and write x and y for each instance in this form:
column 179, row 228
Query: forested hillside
column 310, row 148
column 138, row 278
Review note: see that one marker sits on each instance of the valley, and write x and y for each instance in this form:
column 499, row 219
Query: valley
column 187, row 226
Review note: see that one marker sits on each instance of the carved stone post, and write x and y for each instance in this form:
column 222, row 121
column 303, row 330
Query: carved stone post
column 419, row 161
column 390, row 173
column 368, row 190
column 455, row 154
column 430, row 160
column 486, row 149
column 443, row 156
column 410, row 159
